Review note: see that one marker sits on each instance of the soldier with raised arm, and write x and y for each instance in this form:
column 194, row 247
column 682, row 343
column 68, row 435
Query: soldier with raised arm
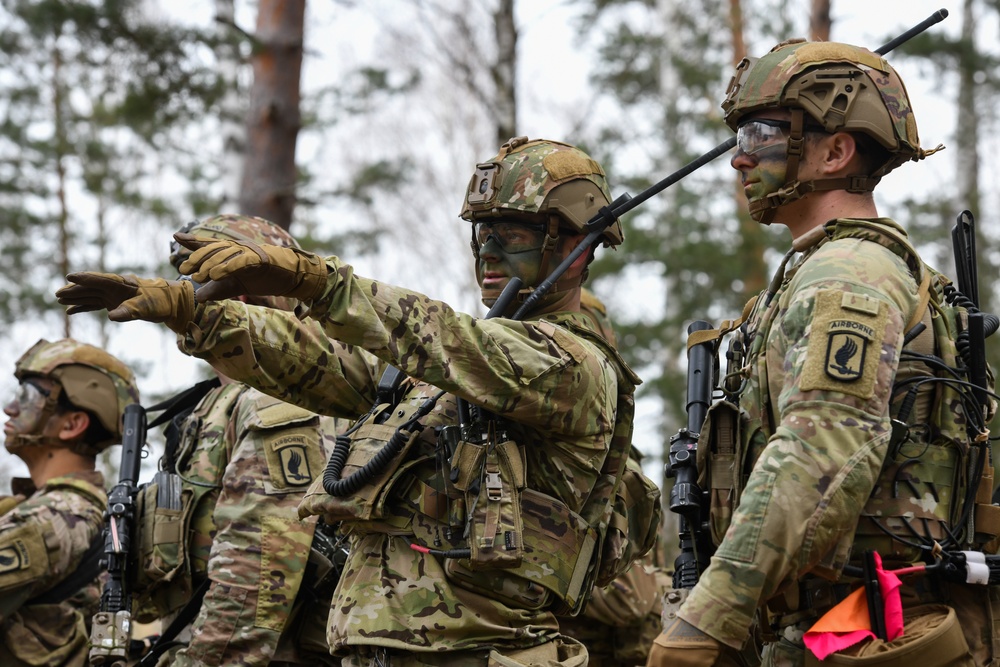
column 473, row 484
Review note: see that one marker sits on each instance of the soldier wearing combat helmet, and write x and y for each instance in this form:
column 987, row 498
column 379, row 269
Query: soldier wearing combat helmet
column 818, row 371
column 246, row 460
column 471, row 483
column 68, row 408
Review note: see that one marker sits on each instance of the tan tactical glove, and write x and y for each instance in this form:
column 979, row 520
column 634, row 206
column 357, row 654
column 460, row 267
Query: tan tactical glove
column 241, row 267
column 683, row 645
column 128, row 298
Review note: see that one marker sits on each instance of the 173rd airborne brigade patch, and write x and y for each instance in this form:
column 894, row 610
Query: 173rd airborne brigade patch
column 845, row 343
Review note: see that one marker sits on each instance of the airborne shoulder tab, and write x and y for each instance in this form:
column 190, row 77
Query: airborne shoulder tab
column 845, row 343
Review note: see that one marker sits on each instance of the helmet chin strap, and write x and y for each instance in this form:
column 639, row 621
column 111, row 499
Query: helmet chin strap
column 764, row 210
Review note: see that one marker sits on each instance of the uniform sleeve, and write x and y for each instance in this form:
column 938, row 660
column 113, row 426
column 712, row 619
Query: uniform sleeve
column 258, row 556
column 42, row 541
column 516, row 369
column 535, row 373
column 834, row 350
column 283, row 356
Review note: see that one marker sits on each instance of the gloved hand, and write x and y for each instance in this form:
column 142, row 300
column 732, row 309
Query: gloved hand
column 128, row 298
column 241, row 267
column 683, row 645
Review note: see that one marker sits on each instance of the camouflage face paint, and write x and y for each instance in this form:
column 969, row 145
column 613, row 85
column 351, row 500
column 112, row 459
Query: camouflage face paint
column 497, row 266
column 25, row 409
column 767, row 175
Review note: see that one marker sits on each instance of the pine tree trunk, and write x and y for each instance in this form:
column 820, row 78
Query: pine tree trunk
column 820, row 22
column 504, row 71
column 273, row 121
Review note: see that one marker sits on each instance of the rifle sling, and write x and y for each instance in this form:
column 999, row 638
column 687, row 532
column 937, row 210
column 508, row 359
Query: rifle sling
column 181, row 621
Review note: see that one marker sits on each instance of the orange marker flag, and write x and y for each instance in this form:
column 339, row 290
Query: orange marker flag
column 848, row 622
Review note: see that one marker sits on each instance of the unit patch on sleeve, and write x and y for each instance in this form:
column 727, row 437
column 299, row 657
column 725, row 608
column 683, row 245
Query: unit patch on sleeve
column 845, row 343
column 288, row 454
column 22, row 555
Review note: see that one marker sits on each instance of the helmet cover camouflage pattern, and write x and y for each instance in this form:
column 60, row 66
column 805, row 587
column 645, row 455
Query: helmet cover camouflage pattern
column 842, row 87
column 231, row 227
column 91, row 379
column 540, row 177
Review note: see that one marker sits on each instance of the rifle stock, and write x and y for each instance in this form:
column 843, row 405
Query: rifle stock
column 111, row 632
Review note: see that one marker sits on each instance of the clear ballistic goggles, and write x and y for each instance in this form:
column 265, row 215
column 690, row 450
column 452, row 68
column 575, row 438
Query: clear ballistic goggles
column 28, row 393
column 512, row 237
column 755, row 135
column 30, row 399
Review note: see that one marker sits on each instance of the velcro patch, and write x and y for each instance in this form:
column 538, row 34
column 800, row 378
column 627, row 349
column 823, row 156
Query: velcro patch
column 845, row 343
column 23, row 556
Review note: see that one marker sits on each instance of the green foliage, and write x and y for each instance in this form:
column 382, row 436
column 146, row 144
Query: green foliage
column 668, row 74
column 95, row 107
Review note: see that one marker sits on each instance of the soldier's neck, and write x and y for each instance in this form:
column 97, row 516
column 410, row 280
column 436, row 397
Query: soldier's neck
column 47, row 462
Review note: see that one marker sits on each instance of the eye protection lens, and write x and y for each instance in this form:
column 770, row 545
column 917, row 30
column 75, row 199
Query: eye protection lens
column 30, row 400
column 512, row 237
column 29, row 393
column 756, row 135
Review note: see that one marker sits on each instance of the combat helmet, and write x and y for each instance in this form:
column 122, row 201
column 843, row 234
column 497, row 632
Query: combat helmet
column 833, row 86
column 551, row 182
column 91, row 380
column 239, row 228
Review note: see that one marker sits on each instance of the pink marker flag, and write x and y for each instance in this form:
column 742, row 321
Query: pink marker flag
column 848, row 622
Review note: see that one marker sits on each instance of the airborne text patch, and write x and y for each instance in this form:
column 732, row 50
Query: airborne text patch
column 845, row 343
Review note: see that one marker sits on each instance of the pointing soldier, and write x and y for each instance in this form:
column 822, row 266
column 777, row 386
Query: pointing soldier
column 67, row 409
column 469, row 519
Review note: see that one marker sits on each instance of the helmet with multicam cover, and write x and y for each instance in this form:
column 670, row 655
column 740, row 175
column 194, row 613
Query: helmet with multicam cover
column 91, row 380
column 540, row 177
column 842, row 88
column 548, row 183
column 239, row 228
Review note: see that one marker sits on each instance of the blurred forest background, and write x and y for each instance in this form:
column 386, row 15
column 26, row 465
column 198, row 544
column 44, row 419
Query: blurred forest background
column 357, row 125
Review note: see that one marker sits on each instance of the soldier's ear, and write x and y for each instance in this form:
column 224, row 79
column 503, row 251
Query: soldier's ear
column 73, row 424
column 837, row 153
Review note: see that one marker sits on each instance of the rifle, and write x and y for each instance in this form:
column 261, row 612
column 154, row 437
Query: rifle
column 111, row 632
column 686, row 497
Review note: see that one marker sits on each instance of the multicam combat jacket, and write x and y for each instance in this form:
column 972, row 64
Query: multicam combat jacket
column 258, row 456
column 822, row 357
column 556, row 390
column 42, row 542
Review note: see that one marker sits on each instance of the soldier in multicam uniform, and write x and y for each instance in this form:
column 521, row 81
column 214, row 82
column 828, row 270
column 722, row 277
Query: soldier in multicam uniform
column 822, row 476
column 437, row 574
column 68, row 408
column 246, row 459
column 621, row 619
